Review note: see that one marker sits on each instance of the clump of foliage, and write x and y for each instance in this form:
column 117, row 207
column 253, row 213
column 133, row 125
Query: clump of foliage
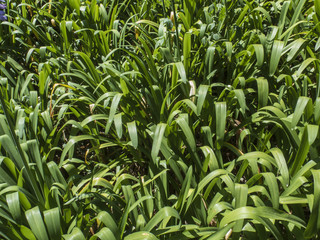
column 143, row 119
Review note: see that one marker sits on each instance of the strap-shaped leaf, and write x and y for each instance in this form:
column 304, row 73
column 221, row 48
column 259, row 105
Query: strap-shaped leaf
column 52, row 220
column 108, row 221
column 36, row 223
column 241, row 194
column 221, row 116
column 133, row 133
column 263, row 92
column 104, row 233
column 164, row 213
column 76, row 234
column 275, row 56
column 113, row 109
column 259, row 51
column 313, row 224
column 282, row 165
column 157, row 140
column 202, row 93
column 309, row 135
column 184, row 190
column 142, row 235
column 304, row 104
column 260, row 212
column 13, row 202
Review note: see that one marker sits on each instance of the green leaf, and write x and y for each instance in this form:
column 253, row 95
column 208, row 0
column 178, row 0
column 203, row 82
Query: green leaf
column 13, row 202
column 272, row 184
column 89, row 65
column 282, row 164
column 305, row 64
column 210, row 159
column 71, row 144
column 75, row 4
column 118, row 124
column 302, row 104
column 283, row 16
column 52, row 220
column 259, row 51
column 76, row 234
column 157, row 140
column 113, row 110
column 309, row 135
column 257, row 213
column 202, row 93
column 132, row 129
column 187, row 133
column 241, row 99
column 108, row 221
column 164, row 213
column 142, row 235
column 105, row 233
column 187, row 51
column 241, row 194
column 184, row 189
column 181, row 71
column 36, row 223
column 296, row 49
column 313, row 226
column 317, row 7
column 263, row 92
column 211, row 176
column 275, row 56
column 221, row 116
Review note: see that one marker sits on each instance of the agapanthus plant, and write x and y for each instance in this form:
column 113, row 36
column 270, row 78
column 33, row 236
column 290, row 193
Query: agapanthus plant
column 3, row 6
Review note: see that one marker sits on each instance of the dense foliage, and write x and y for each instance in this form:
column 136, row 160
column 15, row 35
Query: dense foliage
column 159, row 119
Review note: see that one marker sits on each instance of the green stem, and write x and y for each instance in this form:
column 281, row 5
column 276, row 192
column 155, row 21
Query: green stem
column 177, row 33
column 163, row 9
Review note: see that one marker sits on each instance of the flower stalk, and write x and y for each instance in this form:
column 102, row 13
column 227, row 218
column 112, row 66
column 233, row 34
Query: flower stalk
column 3, row 7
